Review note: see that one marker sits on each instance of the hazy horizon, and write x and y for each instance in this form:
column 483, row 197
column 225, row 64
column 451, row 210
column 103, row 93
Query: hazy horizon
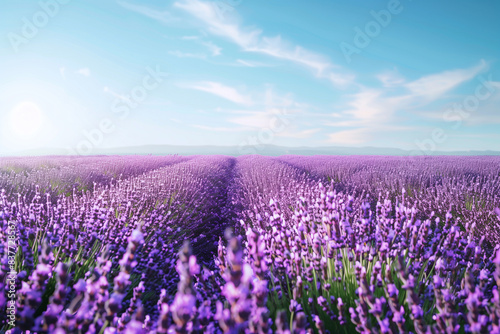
column 264, row 150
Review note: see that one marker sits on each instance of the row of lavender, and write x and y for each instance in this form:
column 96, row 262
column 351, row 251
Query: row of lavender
column 337, row 264
column 82, row 258
column 405, row 253
column 64, row 175
column 306, row 258
column 469, row 187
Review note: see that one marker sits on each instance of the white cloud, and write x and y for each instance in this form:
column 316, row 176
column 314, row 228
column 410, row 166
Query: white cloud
column 226, row 92
column 214, row 49
column 373, row 111
column 107, row 90
column 277, row 113
column 433, row 86
column 300, row 134
column 161, row 16
column 219, row 129
column 83, row 71
column 249, row 63
column 254, row 119
column 364, row 134
column 486, row 112
column 372, row 106
column 391, row 79
column 281, row 122
column 206, row 12
column 278, row 48
column 62, row 70
column 252, row 40
column 180, row 54
column 350, row 137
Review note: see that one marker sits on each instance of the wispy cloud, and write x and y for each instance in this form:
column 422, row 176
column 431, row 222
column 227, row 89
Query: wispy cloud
column 268, row 110
column 84, row 71
column 207, row 12
column 176, row 120
column 161, row 16
column 220, row 129
column 365, row 135
column 62, row 70
column 391, row 79
column 487, row 111
column 371, row 111
column 226, row 92
column 252, row 40
column 249, row 63
column 255, row 119
column 299, row 134
column 109, row 91
column 283, row 123
column 350, row 137
column 214, row 49
column 372, row 106
column 180, row 54
column 280, row 114
column 433, row 86
column 378, row 105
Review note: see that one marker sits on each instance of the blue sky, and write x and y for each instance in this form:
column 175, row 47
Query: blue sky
column 417, row 75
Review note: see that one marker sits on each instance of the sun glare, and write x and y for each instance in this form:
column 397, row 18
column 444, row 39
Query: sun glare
column 26, row 120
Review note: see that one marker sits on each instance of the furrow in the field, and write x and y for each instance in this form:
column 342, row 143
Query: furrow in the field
column 182, row 201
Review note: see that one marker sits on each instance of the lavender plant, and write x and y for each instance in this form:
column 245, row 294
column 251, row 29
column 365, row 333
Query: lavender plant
column 323, row 244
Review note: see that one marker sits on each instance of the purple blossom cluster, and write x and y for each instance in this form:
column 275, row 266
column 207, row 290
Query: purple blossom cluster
column 470, row 186
column 215, row 244
column 90, row 234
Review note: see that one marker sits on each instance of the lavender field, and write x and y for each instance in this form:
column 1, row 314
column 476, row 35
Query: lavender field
column 253, row 244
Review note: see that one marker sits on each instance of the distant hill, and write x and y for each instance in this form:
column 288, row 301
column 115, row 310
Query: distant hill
column 270, row 150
